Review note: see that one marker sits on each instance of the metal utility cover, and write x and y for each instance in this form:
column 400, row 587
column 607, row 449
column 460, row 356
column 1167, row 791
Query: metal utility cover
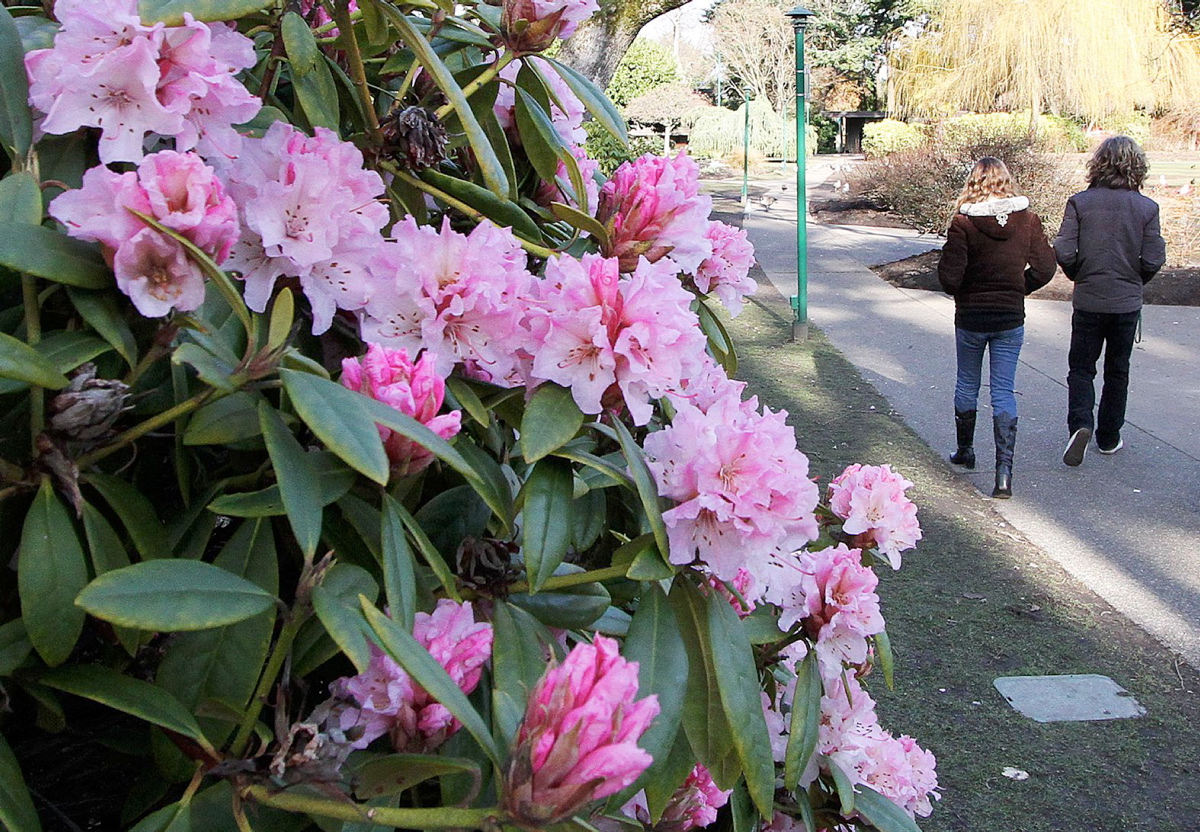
column 1077, row 698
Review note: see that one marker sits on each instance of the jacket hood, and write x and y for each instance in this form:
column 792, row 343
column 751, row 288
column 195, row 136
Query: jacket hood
column 991, row 216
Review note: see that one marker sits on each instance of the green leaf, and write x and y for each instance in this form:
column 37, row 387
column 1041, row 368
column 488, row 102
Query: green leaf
column 518, row 653
column 433, row 558
column 38, row 33
column 395, row 773
column 806, row 719
column 666, row 776
column 656, row 644
column 426, row 672
column 582, row 221
column 742, row 811
column 885, row 658
column 452, row 516
column 21, row 362
column 147, row 532
column 173, row 596
column 335, row 602
column 229, row 419
column 538, row 136
column 468, row 399
column 569, row 608
column 485, row 154
column 311, row 78
column 107, row 554
column 20, row 196
column 340, row 422
column 298, row 482
column 132, row 696
column 589, row 515
column 741, row 696
column 399, row 575
column 498, row 209
column 551, row 420
column 50, row 572
column 102, row 313
column 719, row 341
column 15, row 646
column 283, row 313
column 546, row 526
column 67, row 350
column 646, row 489
column 41, row 252
column 882, row 813
column 333, row 477
column 844, row 787
column 171, row 12
column 16, row 122
column 594, row 99
column 16, row 806
column 762, row 625
column 174, row 818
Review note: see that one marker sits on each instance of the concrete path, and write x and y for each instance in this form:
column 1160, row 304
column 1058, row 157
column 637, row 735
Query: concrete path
column 1127, row 525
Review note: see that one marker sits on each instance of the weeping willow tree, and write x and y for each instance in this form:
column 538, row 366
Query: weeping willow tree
column 1086, row 58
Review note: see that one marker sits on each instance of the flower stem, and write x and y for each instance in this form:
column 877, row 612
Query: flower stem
column 434, row 818
column 487, row 75
column 563, row 581
column 345, row 24
column 283, row 646
column 153, row 423
column 33, row 336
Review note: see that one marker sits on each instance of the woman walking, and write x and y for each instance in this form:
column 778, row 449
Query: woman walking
column 1110, row 245
column 991, row 241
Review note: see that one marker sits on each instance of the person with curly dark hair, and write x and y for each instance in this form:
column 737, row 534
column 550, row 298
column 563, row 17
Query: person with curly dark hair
column 1110, row 245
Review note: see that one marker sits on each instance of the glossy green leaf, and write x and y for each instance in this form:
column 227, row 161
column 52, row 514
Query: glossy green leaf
column 173, row 596
column 50, row 572
column 884, row 658
column 547, row 504
column 518, row 653
column 762, row 625
column 485, row 154
column 211, row 369
column 21, row 362
column 551, row 420
column 137, row 513
column 334, row 479
column 807, row 816
column 171, row 12
column 497, row 490
column 123, row 693
column 646, row 489
column 719, row 340
column 16, row 806
column 433, row 558
column 399, row 575
column 664, row 777
column 395, row 773
column 42, row 252
column 498, row 209
column 16, row 122
column 589, row 515
column 468, row 400
column 538, row 135
column 843, row 785
column 229, row 419
column 582, row 221
column 37, row 33
column 67, row 350
column 15, row 646
column 283, row 314
column 20, row 196
column 174, row 818
column 107, row 553
column 881, row 813
column 741, row 696
column 610, row 472
column 311, row 78
column 340, row 422
column 335, row 602
column 568, row 608
column 594, row 99
column 806, row 720
column 298, row 482
column 425, row 671
column 741, row 810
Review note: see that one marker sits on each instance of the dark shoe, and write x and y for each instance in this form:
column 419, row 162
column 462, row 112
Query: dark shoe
column 1003, row 489
column 1077, row 447
column 964, row 427
column 1005, row 429
column 1109, row 451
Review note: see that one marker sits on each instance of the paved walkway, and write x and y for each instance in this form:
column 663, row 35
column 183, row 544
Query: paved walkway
column 1127, row 525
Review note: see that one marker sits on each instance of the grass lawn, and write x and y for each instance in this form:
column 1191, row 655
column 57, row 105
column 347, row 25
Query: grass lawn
column 976, row 601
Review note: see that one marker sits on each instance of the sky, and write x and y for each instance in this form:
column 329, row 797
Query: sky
column 691, row 27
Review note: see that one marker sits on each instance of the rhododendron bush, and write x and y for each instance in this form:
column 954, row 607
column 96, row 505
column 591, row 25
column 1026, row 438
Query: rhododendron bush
column 368, row 460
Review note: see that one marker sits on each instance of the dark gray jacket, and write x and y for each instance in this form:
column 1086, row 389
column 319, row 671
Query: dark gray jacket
column 1110, row 245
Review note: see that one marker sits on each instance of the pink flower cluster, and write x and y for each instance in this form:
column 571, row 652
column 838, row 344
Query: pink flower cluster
column 532, row 25
column 693, row 805
column 414, row 389
column 599, row 333
column 384, row 699
column 726, row 272
column 652, row 208
column 566, row 110
column 459, row 297
column 179, row 191
column 578, row 740
column 107, row 70
column 309, row 210
column 877, row 512
column 741, row 486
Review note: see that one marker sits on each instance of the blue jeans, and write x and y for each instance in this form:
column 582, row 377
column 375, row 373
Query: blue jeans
column 1004, row 350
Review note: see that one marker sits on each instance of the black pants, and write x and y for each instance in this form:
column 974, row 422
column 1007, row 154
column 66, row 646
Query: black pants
column 1091, row 332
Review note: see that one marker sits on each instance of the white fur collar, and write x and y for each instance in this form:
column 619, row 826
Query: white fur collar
column 998, row 208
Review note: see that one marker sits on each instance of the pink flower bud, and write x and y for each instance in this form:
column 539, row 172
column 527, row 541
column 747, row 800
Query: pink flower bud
column 532, row 25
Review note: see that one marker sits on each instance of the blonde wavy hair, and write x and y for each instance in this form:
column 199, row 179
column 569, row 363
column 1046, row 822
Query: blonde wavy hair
column 989, row 179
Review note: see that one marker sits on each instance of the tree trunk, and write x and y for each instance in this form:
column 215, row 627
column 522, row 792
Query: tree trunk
column 599, row 43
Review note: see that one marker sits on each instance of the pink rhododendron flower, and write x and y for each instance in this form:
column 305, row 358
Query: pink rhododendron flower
column 741, row 485
column 578, row 740
column 652, row 208
column 459, row 297
column 693, row 805
column 414, row 389
column 532, row 25
column 743, row 582
column 566, row 110
column 726, row 272
column 179, row 191
column 309, row 210
column 601, row 334
column 711, row 385
column 871, row 501
column 108, row 70
column 384, row 699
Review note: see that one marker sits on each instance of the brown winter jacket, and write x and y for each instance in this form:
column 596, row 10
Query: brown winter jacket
column 988, row 246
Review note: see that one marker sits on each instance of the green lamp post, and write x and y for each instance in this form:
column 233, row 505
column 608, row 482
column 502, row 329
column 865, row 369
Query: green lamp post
column 800, row 17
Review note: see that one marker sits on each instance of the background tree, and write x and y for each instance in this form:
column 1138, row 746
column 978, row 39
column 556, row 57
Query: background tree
column 754, row 39
column 599, row 43
column 670, row 105
column 1074, row 57
column 646, row 65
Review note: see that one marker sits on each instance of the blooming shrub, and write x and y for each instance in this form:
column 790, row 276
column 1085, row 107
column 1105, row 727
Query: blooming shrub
column 376, row 461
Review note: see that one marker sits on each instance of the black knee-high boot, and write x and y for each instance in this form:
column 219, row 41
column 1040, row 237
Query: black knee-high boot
column 1005, row 429
column 964, row 426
